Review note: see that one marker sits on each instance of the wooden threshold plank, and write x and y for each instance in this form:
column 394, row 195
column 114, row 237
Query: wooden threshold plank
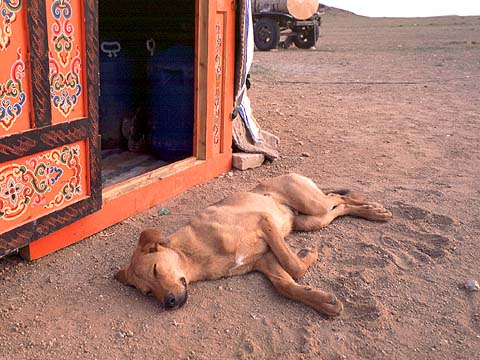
column 148, row 178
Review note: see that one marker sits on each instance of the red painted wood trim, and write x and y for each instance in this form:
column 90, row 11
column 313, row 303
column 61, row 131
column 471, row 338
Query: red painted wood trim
column 139, row 200
column 37, row 140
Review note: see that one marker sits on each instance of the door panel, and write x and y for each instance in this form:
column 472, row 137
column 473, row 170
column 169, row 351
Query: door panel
column 49, row 180
column 50, row 170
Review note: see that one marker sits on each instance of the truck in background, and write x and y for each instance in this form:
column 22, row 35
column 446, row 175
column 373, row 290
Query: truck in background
column 281, row 22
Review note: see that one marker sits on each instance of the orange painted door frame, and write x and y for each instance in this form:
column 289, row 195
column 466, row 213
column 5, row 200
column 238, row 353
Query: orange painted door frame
column 221, row 62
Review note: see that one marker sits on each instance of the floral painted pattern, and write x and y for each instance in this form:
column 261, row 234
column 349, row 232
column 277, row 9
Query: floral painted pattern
column 8, row 15
column 12, row 96
column 47, row 180
column 65, row 87
column 65, row 67
column 62, row 30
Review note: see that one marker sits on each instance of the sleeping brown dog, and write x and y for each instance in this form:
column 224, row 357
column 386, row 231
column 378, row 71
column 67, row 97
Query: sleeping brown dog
column 246, row 232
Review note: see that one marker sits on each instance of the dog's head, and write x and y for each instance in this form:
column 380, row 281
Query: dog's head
column 157, row 269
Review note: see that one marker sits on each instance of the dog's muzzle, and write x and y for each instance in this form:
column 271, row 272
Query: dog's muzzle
column 173, row 302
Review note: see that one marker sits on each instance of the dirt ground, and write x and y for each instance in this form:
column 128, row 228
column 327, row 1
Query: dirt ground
column 388, row 107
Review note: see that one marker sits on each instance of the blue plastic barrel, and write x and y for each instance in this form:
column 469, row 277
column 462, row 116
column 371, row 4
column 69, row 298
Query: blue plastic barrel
column 116, row 101
column 171, row 103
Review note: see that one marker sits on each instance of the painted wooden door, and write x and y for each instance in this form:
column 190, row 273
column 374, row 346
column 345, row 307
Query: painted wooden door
column 49, row 145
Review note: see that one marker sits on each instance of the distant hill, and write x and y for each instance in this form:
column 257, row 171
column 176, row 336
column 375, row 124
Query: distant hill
column 333, row 11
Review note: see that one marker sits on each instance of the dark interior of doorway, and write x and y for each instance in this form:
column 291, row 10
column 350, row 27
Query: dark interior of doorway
column 146, row 85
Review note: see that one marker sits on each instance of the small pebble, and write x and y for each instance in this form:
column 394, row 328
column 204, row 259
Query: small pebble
column 472, row 285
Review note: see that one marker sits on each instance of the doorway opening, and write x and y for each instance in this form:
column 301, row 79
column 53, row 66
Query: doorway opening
column 147, row 68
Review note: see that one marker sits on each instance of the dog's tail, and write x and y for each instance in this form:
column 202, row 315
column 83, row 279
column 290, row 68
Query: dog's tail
column 349, row 193
column 340, row 192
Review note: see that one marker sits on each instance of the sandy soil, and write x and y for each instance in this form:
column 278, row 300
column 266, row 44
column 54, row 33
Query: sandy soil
column 388, row 107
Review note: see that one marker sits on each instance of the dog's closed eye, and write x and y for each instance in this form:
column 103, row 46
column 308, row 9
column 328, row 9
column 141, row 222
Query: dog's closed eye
column 155, row 274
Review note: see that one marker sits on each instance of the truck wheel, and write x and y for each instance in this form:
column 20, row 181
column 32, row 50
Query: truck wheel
column 306, row 36
column 266, row 33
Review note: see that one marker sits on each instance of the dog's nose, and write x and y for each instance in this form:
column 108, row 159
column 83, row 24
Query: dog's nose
column 170, row 301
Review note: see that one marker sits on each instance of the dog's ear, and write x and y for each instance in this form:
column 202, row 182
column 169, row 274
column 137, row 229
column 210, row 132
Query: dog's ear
column 150, row 240
column 121, row 275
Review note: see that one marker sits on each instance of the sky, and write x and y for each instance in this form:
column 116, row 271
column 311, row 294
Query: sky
column 407, row 8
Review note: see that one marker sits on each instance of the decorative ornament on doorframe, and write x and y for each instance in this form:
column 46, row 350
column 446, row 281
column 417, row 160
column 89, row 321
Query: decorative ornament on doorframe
column 65, row 71
column 65, row 88
column 62, row 30
column 218, row 84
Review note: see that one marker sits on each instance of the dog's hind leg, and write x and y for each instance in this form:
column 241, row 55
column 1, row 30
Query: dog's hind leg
column 321, row 301
column 303, row 195
column 312, row 222
column 295, row 264
column 299, row 193
column 351, row 198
